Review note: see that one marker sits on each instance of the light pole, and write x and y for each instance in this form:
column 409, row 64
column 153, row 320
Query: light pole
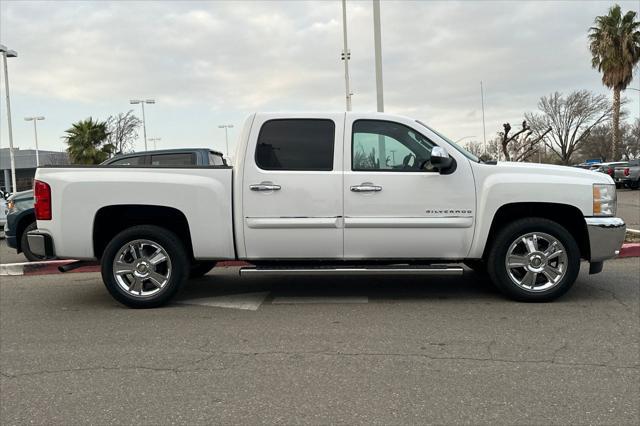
column 35, row 134
column 484, row 131
column 154, row 140
column 346, row 54
column 226, row 135
column 378, row 52
column 6, row 53
column 144, row 124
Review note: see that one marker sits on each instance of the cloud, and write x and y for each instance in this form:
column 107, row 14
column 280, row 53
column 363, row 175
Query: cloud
column 226, row 59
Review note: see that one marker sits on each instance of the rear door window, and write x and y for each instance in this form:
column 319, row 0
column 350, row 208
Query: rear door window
column 296, row 144
column 178, row 159
column 129, row 161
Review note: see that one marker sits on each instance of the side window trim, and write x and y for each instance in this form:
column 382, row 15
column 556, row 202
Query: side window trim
column 333, row 146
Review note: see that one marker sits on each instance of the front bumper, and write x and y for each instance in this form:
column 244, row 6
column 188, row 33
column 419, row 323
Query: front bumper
column 41, row 244
column 606, row 235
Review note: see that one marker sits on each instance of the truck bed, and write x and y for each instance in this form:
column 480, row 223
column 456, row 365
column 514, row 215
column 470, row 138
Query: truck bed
column 201, row 193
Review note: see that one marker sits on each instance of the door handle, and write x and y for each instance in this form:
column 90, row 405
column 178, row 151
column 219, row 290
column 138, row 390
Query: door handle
column 366, row 187
column 264, row 186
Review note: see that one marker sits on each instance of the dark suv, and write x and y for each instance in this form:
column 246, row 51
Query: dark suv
column 20, row 215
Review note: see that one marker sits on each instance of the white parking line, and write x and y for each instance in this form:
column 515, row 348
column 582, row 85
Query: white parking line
column 320, row 299
column 244, row 301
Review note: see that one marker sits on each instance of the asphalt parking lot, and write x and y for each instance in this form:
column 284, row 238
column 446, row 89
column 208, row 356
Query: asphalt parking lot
column 291, row 350
column 367, row 350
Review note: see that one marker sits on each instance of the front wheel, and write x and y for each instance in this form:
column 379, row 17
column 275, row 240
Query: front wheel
column 534, row 260
column 144, row 266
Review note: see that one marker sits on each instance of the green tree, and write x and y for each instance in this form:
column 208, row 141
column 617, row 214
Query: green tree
column 86, row 142
column 615, row 49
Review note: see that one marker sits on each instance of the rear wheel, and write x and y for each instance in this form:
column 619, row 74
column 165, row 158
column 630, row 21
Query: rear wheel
column 534, row 260
column 144, row 266
column 24, row 244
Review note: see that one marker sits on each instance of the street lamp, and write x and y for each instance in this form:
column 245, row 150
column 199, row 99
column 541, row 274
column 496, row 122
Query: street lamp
column 226, row 134
column 35, row 133
column 144, row 124
column 6, row 53
column 154, row 140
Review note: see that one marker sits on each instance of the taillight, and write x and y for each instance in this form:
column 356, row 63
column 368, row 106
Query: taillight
column 42, row 205
column 610, row 171
column 626, row 171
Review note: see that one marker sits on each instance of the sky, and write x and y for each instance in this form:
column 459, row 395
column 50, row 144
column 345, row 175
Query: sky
column 213, row 62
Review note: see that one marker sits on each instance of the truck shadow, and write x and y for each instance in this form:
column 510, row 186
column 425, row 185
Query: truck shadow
column 227, row 282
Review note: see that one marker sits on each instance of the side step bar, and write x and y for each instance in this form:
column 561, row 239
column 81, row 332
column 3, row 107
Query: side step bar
column 378, row 270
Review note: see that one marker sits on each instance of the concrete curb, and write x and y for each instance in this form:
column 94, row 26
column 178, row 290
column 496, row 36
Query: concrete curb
column 630, row 250
column 51, row 266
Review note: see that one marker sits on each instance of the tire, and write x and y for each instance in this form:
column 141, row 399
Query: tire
column 154, row 264
column 24, row 244
column 200, row 269
column 635, row 185
column 532, row 281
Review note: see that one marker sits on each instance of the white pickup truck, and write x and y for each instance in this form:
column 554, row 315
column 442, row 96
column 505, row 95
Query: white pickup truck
column 331, row 193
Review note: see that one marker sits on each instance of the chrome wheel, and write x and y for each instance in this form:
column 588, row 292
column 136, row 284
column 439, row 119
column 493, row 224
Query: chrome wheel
column 536, row 262
column 142, row 268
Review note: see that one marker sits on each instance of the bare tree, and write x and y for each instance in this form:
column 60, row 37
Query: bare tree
column 571, row 120
column 598, row 144
column 477, row 149
column 123, row 130
column 520, row 145
column 630, row 146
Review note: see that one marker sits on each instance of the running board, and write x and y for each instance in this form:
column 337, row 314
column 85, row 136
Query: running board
column 378, row 270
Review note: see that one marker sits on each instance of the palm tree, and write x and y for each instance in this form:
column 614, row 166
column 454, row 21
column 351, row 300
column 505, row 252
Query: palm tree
column 615, row 49
column 86, row 142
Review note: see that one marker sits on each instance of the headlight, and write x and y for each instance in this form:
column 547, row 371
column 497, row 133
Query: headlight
column 604, row 199
column 11, row 205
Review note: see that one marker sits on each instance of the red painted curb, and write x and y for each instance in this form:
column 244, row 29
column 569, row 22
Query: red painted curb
column 52, row 268
column 630, row 250
column 230, row 263
column 627, row 250
column 47, row 269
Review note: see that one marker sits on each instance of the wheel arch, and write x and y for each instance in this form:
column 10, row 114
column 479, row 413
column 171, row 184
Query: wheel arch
column 110, row 220
column 570, row 217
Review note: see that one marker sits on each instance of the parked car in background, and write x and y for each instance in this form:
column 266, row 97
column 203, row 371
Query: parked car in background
column 629, row 174
column 609, row 169
column 3, row 207
column 21, row 216
column 20, row 220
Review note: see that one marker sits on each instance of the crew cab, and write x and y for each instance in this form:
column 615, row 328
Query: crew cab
column 331, row 193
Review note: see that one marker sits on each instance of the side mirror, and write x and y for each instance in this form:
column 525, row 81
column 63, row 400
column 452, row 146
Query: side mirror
column 441, row 160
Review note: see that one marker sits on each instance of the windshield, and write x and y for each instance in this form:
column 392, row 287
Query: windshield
column 460, row 149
